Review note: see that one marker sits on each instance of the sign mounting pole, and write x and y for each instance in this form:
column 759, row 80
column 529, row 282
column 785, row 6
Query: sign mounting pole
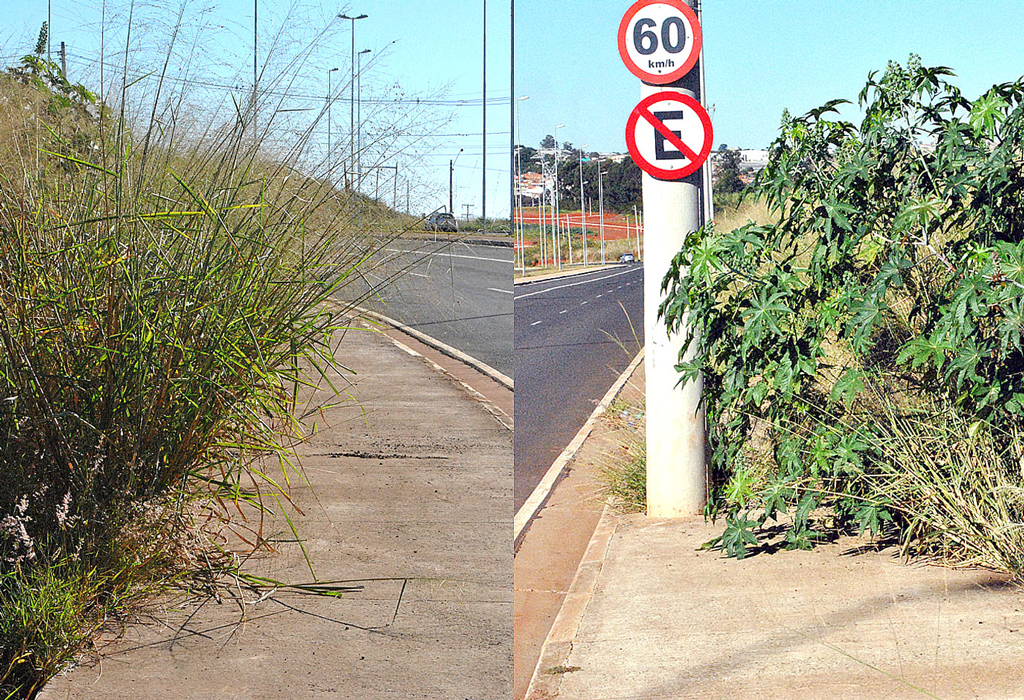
column 670, row 137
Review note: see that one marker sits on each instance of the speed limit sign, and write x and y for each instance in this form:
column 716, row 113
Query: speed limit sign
column 659, row 40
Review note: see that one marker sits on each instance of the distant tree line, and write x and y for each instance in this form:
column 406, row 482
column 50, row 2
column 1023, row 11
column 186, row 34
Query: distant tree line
column 621, row 181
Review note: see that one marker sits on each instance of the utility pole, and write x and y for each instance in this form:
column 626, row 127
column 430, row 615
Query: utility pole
column 466, row 206
column 451, row 180
column 672, row 194
column 63, row 61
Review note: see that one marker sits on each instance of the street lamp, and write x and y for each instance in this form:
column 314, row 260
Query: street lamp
column 359, row 112
column 329, row 100
column 351, row 89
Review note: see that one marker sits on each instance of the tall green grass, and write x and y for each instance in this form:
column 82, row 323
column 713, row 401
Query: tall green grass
column 161, row 303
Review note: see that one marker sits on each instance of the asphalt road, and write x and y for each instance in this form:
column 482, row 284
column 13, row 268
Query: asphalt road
column 573, row 337
column 459, row 293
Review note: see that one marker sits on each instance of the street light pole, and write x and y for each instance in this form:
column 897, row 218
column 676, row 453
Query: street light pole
column 351, row 92
column 583, row 207
column 519, row 199
column 451, row 178
column 483, row 184
column 359, row 112
column 512, row 91
column 329, row 100
column 600, row 194
column 556, row 230
column 255, row 37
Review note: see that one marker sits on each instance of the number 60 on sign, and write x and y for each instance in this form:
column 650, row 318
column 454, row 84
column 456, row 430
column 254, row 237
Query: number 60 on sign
column 659, row 40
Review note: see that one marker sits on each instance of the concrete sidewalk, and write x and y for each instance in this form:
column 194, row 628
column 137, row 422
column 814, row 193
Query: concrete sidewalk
column 651, row 615
column 410, row 487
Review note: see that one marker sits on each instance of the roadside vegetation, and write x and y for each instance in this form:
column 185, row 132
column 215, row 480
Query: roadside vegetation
column 162, row 290
column 861, row 349
column 622, row 470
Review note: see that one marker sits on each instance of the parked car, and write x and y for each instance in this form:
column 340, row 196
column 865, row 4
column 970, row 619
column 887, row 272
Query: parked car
column 627, row 258
column 442, row 221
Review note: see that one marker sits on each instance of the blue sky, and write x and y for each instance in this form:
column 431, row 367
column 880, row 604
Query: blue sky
column 760, row 56
column 426, row 49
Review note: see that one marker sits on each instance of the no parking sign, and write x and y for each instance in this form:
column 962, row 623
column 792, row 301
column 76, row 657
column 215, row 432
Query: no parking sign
column 669, row 135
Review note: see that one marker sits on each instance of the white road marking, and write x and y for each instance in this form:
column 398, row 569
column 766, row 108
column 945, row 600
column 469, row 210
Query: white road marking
column 576, row 284
column 564, row 311
column 417, row 274
column 536, row 322
column 584, row 303
column 503, row 291
column 600, row 295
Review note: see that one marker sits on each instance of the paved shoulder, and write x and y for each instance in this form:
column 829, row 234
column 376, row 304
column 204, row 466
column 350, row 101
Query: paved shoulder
column 411, row 485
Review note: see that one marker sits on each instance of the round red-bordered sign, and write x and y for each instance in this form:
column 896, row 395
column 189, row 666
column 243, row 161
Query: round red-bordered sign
column 660, row 40
column 669, row 135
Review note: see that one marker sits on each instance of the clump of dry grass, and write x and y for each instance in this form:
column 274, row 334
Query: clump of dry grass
column 957, row 487
column 622, row 470
column 161, row 300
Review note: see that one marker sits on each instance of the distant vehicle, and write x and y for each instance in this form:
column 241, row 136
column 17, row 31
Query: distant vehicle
column 442, row 221
column 627, row 258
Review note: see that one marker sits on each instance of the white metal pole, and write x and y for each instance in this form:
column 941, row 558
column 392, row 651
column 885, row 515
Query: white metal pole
column 636, row 225
column 568, row 237
column 600, row 197
column 676, row 468
column 556, row 214
column 583, row 210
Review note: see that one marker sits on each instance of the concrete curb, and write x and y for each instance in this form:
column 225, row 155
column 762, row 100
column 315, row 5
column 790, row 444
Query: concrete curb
column 540, row 494
column 558, row 645
column 497, row 242
column 448, row 350
column 502, row 417
column 565, row 273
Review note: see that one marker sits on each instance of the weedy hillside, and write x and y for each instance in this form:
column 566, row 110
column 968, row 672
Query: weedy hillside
column 161, row 298
column 861, row 353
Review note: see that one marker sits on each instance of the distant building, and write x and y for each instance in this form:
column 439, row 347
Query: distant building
column 752, row 161
column 533, row 185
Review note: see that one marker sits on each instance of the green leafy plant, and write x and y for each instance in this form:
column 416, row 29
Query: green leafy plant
column 890, row 279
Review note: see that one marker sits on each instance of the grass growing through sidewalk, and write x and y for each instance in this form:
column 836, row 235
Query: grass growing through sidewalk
column 622, row 470
column 162, row 298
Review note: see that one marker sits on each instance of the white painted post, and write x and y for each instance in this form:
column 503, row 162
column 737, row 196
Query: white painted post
column 676, row 465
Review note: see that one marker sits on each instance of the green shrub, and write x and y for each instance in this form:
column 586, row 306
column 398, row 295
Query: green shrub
column 889, row 285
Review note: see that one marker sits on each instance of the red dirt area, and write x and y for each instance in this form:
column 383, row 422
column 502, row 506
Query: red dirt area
column 615, row 226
